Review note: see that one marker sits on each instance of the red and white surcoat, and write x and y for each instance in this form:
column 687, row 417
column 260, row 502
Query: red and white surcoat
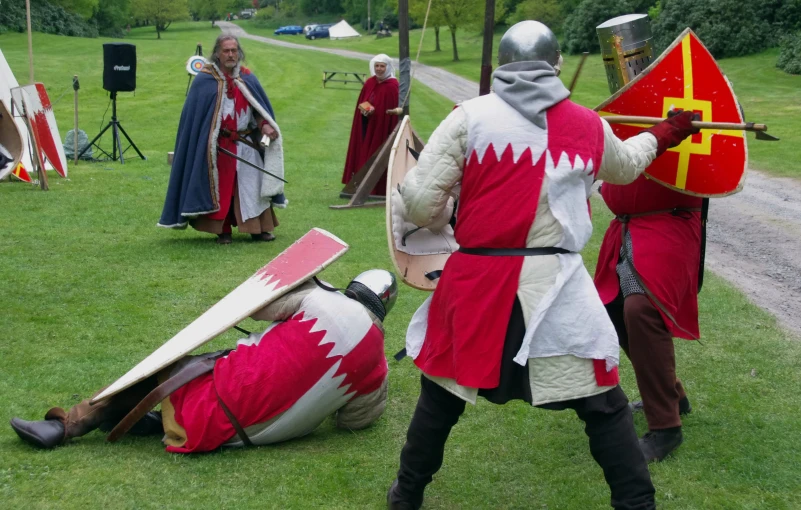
column 521, row 186
column 324, row 356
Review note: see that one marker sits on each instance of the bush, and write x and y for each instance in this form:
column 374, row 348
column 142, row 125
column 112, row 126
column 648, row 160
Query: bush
column 789, row 59
column 728, row 28
column 579, row 27
column 45, row 17
column 548, row 12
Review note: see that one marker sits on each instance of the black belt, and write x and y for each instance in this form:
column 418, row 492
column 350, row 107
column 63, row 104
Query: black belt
column 511, row 252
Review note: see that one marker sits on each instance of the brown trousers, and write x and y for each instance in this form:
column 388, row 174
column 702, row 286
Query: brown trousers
column 649, row 345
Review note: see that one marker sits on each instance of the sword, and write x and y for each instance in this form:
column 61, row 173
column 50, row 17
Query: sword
column 229, row 153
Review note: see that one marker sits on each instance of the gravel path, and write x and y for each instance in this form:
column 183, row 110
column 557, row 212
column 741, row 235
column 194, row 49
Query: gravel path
column 754, row 237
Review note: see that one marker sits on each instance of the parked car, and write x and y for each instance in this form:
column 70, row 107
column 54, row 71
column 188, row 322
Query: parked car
column 318, row 32
column 247, row 13
column 289, row 30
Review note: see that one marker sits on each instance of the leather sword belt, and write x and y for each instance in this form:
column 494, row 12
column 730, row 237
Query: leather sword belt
column 512, row 252
column 239, row 136
column 165, row 389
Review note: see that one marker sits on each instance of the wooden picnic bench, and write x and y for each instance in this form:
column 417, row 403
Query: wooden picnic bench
column 329, row 75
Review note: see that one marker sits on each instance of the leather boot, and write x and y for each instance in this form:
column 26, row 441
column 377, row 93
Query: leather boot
column 42, row 434
column 658, row 444
column 59, row 425
column 394, row 503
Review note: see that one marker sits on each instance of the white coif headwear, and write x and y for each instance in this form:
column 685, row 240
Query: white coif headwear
column 386, row 60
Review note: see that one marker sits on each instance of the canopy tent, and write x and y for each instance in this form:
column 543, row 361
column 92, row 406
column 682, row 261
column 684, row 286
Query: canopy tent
column 342, row 31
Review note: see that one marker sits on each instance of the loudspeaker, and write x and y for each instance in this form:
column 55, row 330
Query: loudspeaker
column 119, row 67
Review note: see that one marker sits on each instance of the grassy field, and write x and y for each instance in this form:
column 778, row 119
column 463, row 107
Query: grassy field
column 90, row 287
column 767, row 94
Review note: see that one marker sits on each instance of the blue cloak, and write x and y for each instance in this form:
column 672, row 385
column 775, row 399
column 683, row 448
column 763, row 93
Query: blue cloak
column 192, row 190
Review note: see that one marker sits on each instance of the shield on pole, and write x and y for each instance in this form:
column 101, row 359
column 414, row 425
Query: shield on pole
column 42, row 122
column 418, row 253
column 303, row 259
column 686, row 76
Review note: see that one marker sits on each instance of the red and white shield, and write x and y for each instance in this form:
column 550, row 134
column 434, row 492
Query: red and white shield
column 686, row 76
column 42, row 122
column 303, row 259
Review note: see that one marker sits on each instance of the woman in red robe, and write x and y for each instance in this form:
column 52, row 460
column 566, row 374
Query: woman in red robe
column 372, row 125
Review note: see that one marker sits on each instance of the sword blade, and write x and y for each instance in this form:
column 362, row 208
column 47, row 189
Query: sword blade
column 231, row 154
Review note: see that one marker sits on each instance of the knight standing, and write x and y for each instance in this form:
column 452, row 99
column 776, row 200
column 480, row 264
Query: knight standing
column 648, row 266
column 515, row 314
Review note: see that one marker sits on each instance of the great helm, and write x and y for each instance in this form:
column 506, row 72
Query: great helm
column 529, row 40
column 626, row 47
column 377, row 290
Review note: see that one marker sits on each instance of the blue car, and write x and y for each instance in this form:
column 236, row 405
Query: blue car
column 318, row 32
column 289, row 30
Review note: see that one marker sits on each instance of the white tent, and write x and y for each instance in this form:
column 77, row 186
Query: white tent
column 342, row 31
column 7, row 82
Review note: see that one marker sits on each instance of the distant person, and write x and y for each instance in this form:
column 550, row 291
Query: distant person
column 323, row 356
column 211, row 190
column 372, row 124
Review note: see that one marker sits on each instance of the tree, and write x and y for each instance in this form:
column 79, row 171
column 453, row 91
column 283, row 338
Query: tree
column 579, row 27
column 84, row 8
column 160, row 12
column 417, row 11
column 211, row 10
column 548, row 12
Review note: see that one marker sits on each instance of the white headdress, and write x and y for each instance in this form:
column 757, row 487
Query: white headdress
column 386, row 60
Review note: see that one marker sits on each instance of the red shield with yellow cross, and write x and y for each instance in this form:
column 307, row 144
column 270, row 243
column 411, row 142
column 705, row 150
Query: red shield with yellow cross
column 709, row 164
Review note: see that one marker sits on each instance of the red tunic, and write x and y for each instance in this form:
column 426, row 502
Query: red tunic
column 471, row 306
column 226, row 165
column 259, row 382
column 666, row 250
column 367, row 134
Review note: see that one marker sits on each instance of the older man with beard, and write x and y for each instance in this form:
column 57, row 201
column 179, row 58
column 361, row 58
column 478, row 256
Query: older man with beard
column 225, row 115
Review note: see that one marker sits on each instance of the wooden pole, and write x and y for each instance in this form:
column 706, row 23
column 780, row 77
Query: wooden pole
column 578, row 71
column 486, row 53
column 368, row 17
column 748, row 126
column 30, row 42
column 403, row 48
column 75, row 129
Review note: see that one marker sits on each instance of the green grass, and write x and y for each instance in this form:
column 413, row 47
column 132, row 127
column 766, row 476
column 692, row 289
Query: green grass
column 767, row 94
column 90, row 287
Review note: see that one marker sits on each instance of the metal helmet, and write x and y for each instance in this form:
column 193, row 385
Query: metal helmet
column 626, row 47
column 529, row 40
column 377, row 290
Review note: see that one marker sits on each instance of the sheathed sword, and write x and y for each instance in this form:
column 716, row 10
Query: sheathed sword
column 243, row 160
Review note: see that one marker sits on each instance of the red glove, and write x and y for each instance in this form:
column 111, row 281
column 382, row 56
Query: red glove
column 673, row 130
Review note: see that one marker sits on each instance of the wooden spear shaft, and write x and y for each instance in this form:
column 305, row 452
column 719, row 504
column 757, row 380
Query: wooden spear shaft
column 30, row 41
column 733, row 126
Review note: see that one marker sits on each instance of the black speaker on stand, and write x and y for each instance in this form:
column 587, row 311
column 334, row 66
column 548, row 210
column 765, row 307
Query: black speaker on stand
column 119, row 75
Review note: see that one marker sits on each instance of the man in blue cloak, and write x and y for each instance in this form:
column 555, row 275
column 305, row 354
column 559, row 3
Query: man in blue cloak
column 226, row 112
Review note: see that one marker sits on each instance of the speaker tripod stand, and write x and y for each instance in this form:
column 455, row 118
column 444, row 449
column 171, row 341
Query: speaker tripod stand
column 116, row 142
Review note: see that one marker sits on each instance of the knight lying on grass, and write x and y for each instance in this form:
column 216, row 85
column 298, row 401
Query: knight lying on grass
column 323, row 355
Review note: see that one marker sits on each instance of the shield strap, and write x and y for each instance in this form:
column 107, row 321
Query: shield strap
column 163, row 391
column 624, row 220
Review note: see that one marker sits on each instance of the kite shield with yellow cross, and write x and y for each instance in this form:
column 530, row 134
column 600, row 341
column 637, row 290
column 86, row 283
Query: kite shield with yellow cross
column 686, row 76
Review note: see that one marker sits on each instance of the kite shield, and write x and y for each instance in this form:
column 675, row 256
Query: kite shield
column 686, row 76
column 42, row 122
column 418, row 253
column 303, row 259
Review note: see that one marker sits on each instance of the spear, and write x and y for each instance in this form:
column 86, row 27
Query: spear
column 759, row 129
